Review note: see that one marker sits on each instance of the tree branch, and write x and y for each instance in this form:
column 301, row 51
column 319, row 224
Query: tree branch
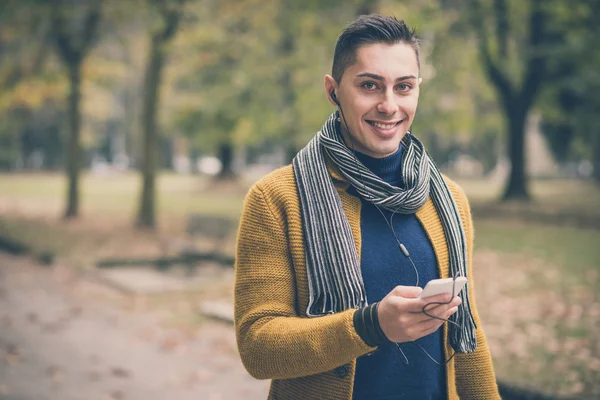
column 61, row 38
column 70, row 48
column 496, row 75
column 501, row 27
column 92, row 21
column 171, row 17
column 536, row 69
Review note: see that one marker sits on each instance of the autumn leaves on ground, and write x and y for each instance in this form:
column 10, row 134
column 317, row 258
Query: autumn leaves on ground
column 537, row 292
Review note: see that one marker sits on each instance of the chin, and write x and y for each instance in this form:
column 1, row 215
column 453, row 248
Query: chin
column 383, row 151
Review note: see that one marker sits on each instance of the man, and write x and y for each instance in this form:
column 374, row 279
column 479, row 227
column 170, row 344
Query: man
column 333, row 251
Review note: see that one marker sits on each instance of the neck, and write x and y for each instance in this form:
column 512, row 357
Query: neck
column 388, row 168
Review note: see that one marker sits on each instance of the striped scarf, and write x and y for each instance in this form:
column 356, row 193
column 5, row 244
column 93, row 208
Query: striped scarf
column 334, row 276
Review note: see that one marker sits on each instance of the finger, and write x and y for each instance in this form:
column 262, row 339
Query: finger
column 428, row 327
column 425, row 325
column 431, row 307
column 451, row 311
column 409, row 292
column 438, row 298
column 416, row 305
column 428, row 305
column 420, row 316
column 416, row 318
column 440, row 312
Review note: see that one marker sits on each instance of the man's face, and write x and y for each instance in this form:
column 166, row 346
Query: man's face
column 378, row 95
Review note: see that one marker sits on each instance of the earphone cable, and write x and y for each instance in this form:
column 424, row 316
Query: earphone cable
column 406, row 254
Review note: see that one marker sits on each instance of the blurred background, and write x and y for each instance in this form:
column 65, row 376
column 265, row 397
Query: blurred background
column 130, row 132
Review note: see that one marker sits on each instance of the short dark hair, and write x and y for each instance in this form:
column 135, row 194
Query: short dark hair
column 370, row 29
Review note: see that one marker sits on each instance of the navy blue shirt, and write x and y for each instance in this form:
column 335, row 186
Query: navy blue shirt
column 384, row 374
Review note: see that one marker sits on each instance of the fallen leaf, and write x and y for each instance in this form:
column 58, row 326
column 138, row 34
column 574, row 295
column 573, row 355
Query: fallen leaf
column 75, row 311
column 55, row 372
column 95, row 376
column 13, row 354
column 201, row 375
column 170, row 343
column 94, row 359
column 120, row 372
column 117, row 395
column 32, row 317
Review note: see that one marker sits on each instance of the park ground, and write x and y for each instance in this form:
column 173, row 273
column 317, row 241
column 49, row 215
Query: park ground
column 64, row 336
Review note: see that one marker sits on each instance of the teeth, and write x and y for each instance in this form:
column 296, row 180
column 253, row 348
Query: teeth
column 383, row 126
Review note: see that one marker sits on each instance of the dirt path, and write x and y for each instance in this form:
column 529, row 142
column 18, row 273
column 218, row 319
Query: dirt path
column 66, row 338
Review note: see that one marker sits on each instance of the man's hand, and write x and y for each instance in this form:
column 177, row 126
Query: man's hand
column 401, row 314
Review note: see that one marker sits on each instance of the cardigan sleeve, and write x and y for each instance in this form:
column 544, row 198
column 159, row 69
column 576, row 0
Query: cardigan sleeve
column 274, row 342
column 475, row 377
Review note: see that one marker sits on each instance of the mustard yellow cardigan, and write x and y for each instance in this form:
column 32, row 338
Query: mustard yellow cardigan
column 302, row 355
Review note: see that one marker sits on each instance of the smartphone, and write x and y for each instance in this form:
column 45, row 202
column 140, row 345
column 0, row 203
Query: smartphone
column 439, row 286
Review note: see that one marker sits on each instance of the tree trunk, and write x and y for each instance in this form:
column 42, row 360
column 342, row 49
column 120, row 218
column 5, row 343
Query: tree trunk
column 517, row 96
column 516, row 187
column 151, row 93
column 596, row 157
column 289, row 102
column 226, row 158
column 72, row 48
column 287, row 48
column 146, row 217
column 74, row 145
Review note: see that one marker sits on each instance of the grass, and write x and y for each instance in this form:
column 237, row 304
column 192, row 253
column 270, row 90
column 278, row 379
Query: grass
column 549, row 195
column 31, row 206
column 574, row 250
column 43, row 236
column 117, row 195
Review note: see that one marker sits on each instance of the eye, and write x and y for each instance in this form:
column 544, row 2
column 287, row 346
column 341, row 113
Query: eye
column 403, row 87
column 369, row 85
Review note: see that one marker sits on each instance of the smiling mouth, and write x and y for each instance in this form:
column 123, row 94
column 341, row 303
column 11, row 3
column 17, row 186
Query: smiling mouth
column 384, row 126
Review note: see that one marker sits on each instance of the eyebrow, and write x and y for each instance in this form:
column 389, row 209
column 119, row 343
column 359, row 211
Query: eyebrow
column 381, row 78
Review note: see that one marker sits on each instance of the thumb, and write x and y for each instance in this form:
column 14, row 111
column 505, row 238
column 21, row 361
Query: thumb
column 409, row 292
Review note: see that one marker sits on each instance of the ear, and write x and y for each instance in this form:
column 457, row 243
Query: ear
column 420, row 81
column 330, row 86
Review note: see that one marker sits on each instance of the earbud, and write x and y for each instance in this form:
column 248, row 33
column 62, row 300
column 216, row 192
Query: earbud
column 333, row 96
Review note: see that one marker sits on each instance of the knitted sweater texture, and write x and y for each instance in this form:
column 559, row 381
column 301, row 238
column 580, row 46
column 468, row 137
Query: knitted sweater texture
column 315, row 358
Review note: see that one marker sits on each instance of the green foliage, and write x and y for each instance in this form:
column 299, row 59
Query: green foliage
column 226, row 82
column 235, row 87
column 457, row 106
column 251, row 72
column 571, row 249
column 571, row 102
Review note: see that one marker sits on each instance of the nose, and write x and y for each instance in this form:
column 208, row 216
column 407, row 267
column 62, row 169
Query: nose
column 387, row 105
